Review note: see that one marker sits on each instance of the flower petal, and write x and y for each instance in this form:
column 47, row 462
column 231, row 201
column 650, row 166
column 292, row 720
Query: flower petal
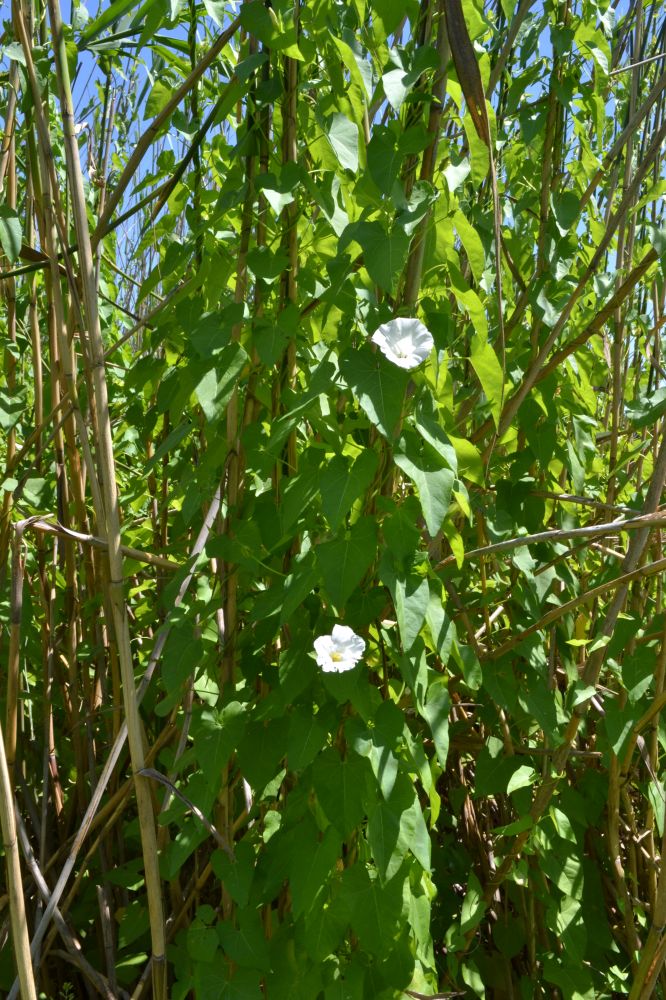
column 405, row 342
column 339, row 651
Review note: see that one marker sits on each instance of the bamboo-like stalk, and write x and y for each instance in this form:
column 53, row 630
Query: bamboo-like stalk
column 8, row 136
column 109, row 514
column 589, row 678
column 613, row 807
column 14, row 882
column 9, row 359
column 516, row 22
column 514, row 402
column 7, row 754
column 422, row 32
column 414, row 267
column 73, row 946
column 119, row 742
column 228, row 573
column 617, row 375
column 289, row 220
column 53, row 222
column 13, row 665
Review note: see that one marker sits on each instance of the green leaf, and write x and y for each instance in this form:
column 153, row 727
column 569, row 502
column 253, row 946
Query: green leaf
column 637, row 674
column 340, row 485
column 297, row 585
column 360, row 70
column 473, row 907
column 442, row 629
column 489, row 372
column 479, row 156
column 235, row 875
column 430, row 430
column 159, row 97
column 562, row 864
column 414, row 670
column 378, row 385
column 34, row 490
column 619, row 721
column 267, row 264
column 217, row 733
column 344, row 561
column 181, row 657
column 202, row 942
column 216, row 387
column 421, row 200
column 324, row 928
column 395, row 827
column 13, row 51
column 211, row 332
column 456, row 174
column 341, row 788
column 397, row 85
column 261, row 751
column 472, row 244
column 434, row 483
column 216, row 11
column 523, row 777
column 574, row 980
column 494, row 771
column 343, row 137
column 113, row 13
column 436, row 713
column 12, row 408
column 384, row 766
column 11, row 233
column 262, row 22
column 468, row 299
column 307, row 735
column 270, row 339
column 257, row 20
column 245, row 944
column 410, row 593
column 384, row 253
column 389, row 13
column 566, row 209
column 401, row 532
column 170, row 443
column 384, row 159
column 646, row 410
column 376, row 909
column 314, row 857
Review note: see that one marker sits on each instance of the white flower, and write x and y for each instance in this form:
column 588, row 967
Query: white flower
column 339, row 651
column 405, row 342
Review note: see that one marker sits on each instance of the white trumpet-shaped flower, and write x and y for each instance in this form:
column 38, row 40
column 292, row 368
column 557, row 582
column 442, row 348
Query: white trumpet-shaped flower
column 339, row 651
column 405, row 342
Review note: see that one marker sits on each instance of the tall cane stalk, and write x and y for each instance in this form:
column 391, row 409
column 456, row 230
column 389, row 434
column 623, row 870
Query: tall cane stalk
column 109, row 517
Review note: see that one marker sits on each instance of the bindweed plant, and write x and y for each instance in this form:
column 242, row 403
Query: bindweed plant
column 330, row 540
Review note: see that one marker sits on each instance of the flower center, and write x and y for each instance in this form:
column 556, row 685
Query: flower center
column 336, row 657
